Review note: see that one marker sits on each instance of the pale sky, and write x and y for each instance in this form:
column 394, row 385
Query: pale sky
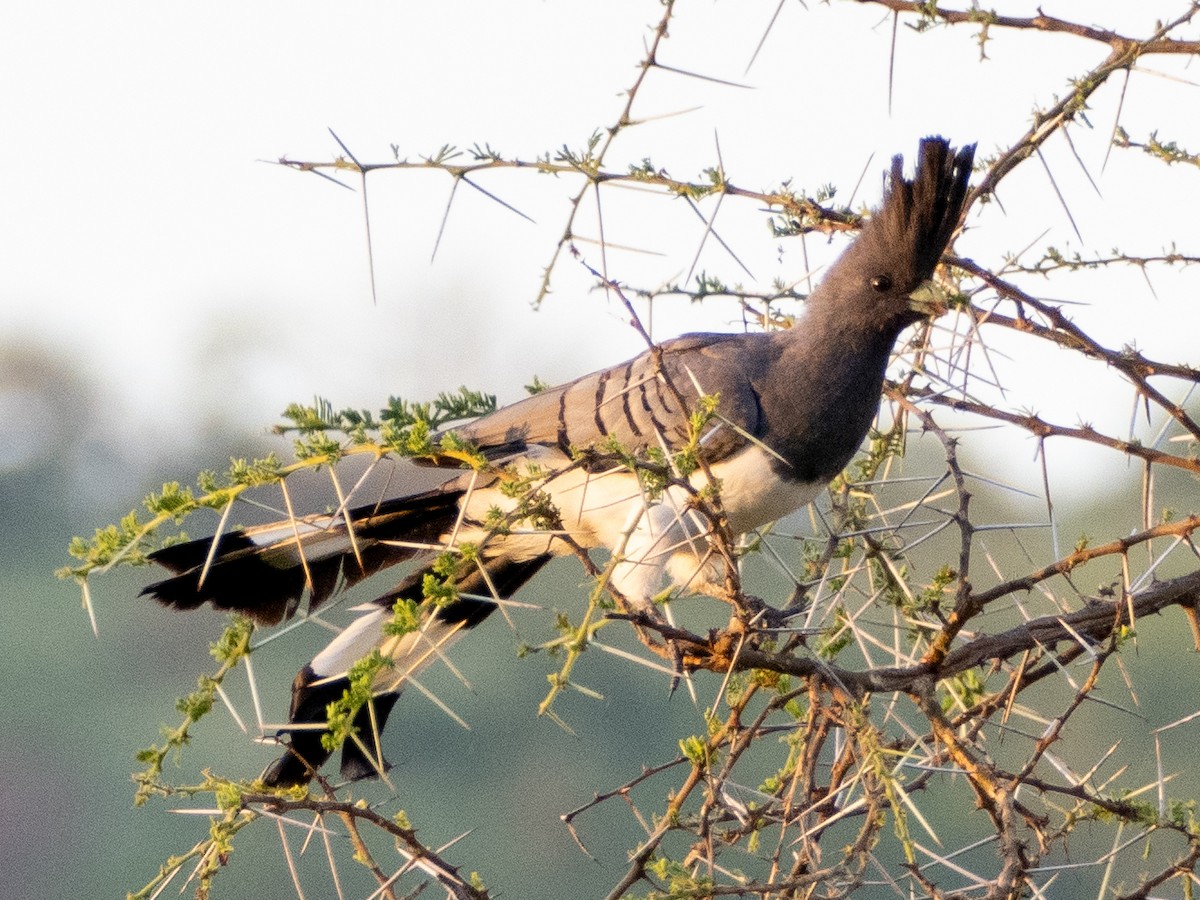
column 143, row 235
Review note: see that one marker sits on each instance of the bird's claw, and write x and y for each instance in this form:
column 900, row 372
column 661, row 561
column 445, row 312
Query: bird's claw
column 762, row 615
column 676, row 666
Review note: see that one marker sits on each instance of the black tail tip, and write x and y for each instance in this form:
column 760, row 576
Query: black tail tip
column 287, row 771
column 290, row 770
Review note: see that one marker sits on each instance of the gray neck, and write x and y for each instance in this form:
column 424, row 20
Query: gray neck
column 830, row 379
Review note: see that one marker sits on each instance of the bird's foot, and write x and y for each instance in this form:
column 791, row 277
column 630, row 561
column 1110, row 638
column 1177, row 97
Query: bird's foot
column 759, row 614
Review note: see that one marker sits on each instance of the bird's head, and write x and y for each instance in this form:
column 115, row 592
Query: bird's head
column 881, row 282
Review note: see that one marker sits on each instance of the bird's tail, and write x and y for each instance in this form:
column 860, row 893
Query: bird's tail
column 325, row 681
column 264, row 571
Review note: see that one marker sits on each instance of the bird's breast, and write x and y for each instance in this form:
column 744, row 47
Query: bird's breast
column 753, row 492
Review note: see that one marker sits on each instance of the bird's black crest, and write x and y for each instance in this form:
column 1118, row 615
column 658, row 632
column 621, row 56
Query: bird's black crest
column 918, row 217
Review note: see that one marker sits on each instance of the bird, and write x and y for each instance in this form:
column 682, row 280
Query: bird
column 786, row 411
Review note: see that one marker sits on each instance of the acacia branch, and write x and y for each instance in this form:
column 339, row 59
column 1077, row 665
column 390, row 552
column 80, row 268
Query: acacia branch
column 1157, row 43
column 1067, row 334
column 1098, row 620
column 1039, row 427
column 421, row 856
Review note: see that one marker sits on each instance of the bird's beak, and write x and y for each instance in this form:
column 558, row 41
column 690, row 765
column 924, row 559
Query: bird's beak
column 928, row 300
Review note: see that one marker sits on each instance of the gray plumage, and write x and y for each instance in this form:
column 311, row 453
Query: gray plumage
column 809, row 392
column 793, row 408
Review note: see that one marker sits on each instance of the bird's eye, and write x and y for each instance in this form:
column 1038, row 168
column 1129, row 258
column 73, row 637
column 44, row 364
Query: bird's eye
column 881, row 283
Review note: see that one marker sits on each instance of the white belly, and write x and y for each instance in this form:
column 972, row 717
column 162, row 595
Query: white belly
column 609, row 509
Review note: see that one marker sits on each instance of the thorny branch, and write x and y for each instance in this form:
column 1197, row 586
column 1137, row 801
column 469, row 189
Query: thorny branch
column 1118, row 43
column 873, row 691
column 352, row 814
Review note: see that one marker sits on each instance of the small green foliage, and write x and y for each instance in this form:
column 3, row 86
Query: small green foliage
column 696, row 750
column 496, row 521
column 211, row 855
column 1182, row 814
column 666, row 869
column 122, row 540
column 715, row 176
column 1168, row 151
column 796, row 708
column 402, row 428
column 653, row 472
column 341, row 713
column 985, row 19
column 771, row 784
column 962, row 691
column 174, row 501
column 735, row 687
column 207, row 482
column 707, row 284
column 534, row 506
column 319, row 447
column 439, row 584
column 650, row 463
column 486, row 153
column 562, row 623
column 220, row 835
column 586, row 160
column 414, row 439
column 812, row 553
column 234, row 642
column 438, row 590
column 679, row 881
column 795, row 740
column 768, row 679
column 837, row 636
column 228, row 795
column 882, row 447
column 803, row 213
column 687, row 459
column 712, row 180
column 399, row 414
column 893, row 591
column 199, row 702
column 406, row 618
column 646, row 171
column 443, row 155
column 445, row 565
column 536, row 386
column 255, row 472
column 318, row 417
column 931, row 597
column 1142, row 812
column 518, row 483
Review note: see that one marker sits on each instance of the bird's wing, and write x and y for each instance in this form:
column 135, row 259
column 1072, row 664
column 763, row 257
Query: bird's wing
column 642, row 403
column 264, row 571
